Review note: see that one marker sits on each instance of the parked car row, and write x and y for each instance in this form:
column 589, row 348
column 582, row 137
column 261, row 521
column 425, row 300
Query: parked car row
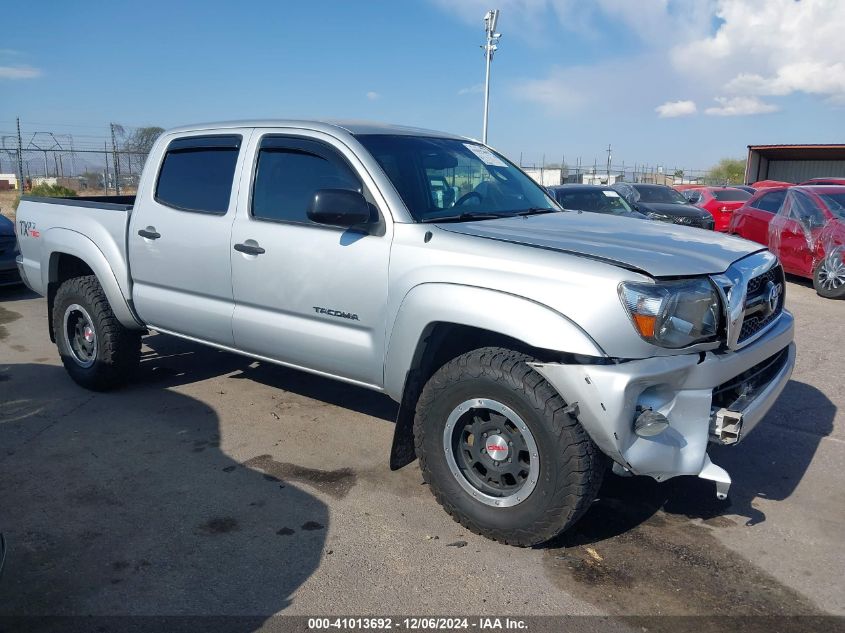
column 644, row 201
column 804, row 226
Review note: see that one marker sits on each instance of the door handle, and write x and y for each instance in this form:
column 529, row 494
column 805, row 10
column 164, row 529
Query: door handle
column 149, row 233
column 249, row 249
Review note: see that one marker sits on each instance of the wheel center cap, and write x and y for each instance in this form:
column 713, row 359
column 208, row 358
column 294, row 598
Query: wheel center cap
column 497, row 448
column 88, row 333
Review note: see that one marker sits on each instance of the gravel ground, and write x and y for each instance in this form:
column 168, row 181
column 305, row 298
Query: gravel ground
column 218, row 485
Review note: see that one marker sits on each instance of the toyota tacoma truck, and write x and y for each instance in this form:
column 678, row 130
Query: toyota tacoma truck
column 530, row 349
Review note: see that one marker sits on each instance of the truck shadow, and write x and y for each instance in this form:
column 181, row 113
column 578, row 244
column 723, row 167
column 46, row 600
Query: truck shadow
column 16, row 293
column 769, row 464
column 124, row 504
column 174, row 361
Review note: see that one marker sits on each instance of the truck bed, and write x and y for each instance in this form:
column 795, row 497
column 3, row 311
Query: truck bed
column 85, row 226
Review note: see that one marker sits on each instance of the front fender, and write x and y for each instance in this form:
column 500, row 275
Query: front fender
column 65, row 241
column 533, row 323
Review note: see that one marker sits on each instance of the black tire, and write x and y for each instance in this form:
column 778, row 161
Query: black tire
column 571, row 466
column 824, row 287
column 118, row 349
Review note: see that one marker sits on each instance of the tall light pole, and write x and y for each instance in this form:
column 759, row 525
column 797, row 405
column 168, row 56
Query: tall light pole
column 489, row 47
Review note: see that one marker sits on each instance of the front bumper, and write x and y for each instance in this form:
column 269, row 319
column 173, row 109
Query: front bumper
column 609, row 398
column 9, row 275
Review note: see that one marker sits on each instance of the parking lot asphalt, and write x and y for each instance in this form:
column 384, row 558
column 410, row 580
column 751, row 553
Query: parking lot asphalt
column 215, row 484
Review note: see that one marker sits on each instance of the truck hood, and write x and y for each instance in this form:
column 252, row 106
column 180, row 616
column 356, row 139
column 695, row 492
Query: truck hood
column 656, row 248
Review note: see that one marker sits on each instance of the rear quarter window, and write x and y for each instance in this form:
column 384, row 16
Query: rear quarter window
column 731, row 195
column 770, row 202
column 197, row 173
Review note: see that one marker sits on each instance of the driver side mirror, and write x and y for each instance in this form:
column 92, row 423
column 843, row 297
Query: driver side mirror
column 339, row 207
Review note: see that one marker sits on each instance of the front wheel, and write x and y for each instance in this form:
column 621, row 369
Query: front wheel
column 501, row 451
column 97, row 351
column 829, row 276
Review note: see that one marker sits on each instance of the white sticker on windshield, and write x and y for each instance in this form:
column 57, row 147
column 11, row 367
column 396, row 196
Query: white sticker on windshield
column 486, row 156
column 611, row 194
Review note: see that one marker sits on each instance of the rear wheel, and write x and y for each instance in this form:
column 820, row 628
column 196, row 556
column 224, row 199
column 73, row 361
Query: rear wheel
column 501, row 451
column 97, row 351
column 829, row 276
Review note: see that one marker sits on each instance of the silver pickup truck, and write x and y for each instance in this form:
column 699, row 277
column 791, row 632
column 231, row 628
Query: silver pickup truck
column 531, row 348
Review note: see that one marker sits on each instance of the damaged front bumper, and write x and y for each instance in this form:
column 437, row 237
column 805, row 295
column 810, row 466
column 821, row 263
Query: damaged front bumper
column 705, row 397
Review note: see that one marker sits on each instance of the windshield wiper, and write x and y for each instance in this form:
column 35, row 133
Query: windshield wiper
column 468, row 216
column 535, row 211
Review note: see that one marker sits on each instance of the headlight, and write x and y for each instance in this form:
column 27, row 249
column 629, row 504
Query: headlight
column 672, row 313
column 651, row 215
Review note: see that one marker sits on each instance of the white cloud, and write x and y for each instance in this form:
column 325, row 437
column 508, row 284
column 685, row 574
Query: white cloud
column 472, row 90
column 19, row 72
column 740, row 106
column 372, row 95
column 739, row 50
column 771, row 47
column 672, row 109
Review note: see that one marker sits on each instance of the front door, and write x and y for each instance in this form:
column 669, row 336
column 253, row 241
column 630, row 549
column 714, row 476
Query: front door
column 309, row 295
column 179, row 237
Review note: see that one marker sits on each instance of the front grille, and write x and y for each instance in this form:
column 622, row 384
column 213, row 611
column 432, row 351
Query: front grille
column 758, row 315
column 736, row 393
column 701, row 223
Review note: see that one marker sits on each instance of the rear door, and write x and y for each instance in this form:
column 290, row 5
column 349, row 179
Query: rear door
column 792, row 233
column 753, row 223
column 315, row 296
column 179, row 237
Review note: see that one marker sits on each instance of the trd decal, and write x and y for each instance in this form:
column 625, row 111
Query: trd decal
column 28, row 229
column 336, row 313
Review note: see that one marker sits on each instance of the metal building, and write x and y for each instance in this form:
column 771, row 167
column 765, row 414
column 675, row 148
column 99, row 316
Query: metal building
column 794, row 163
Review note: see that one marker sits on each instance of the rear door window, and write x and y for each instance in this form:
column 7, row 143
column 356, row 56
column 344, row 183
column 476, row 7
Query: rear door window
column 730, row 195
column 197, row 173
column 770, row 202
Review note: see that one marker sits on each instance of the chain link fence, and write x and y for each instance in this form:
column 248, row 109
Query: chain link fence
column 90, row 171
column 550, row 175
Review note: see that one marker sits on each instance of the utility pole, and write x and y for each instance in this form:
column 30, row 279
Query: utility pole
column 116, row 162
column 608, row 161
column 106, row 169
column 20, row 159
column 490, row 46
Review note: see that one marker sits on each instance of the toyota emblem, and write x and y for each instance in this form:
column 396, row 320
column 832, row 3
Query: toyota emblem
column 773, row 291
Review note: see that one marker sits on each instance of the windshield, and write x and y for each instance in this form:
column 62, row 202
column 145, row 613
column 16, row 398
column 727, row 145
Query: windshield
column 658, row 193
column 730, row 195
column 594, row 200
column 455, row 179
column 835, row 202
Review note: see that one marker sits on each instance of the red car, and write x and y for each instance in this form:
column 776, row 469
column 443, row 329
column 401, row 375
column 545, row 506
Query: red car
column 805, row 227
column 721, row 202
column 825, row 181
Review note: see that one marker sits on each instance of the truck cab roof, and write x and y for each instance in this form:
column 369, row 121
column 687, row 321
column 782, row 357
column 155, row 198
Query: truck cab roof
column 352, row 127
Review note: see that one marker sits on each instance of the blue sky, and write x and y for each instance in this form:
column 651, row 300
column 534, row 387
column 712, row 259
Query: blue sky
column 677, row 82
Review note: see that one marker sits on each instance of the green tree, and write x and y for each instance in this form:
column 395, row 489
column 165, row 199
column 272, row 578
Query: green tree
column 52, row 191
column 729, row 171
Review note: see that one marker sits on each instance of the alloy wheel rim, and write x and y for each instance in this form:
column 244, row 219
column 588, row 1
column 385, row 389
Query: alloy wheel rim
column 80, row 335
column 832, row 274
column 491, row 452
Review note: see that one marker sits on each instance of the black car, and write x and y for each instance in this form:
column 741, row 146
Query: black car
column 594, row 199
column 8, row 250
column 663, row 203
